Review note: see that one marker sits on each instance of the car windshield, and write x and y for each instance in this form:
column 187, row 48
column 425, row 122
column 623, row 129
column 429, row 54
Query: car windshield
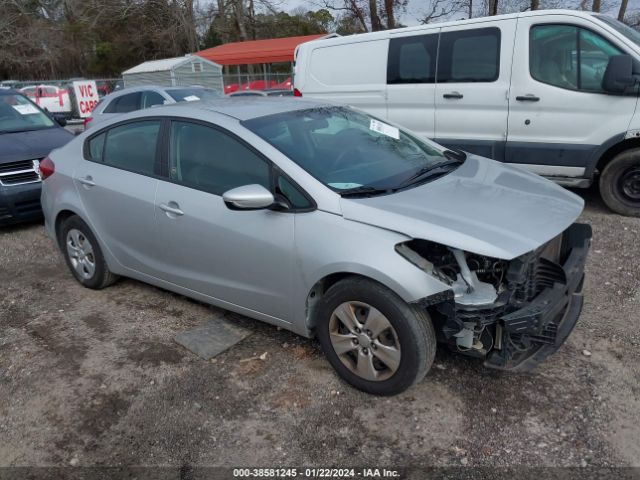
column 193, row 94
column 18, row 114
column 352, row 152
column 620, row 27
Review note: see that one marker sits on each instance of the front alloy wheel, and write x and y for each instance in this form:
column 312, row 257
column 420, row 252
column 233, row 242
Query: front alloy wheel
column 373, row 339
column 365, row 341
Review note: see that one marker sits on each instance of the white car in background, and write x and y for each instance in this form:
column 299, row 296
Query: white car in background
column 139, row 98
column 49, row 97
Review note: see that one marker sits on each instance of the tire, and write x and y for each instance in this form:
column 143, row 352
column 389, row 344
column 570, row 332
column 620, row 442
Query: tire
column 411, row 330
column 620, row 183
column 88, row 265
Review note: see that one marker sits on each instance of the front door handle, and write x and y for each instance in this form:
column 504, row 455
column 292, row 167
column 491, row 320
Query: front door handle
column 172, row 209
column 453, row 95
column 528, row 98
column 87, row 181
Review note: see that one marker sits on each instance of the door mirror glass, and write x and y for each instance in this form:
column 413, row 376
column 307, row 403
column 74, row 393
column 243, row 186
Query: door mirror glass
column 248, row 197
column 60, row 120
column 618, row 77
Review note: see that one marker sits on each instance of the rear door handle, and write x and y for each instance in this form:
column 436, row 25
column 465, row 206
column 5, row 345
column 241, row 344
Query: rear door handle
column 87, row 181
column 528, row 98
column 453, row 95
column 172, row 209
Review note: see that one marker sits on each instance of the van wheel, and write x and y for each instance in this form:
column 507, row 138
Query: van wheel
column 620, row 183
column 83, row 255
column 374, row 340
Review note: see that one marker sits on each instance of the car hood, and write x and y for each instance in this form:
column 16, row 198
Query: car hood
column 32, row 144
column 483, row 206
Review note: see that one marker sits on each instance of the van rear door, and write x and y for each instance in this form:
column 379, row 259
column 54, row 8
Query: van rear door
column 559, row 116
column 344, row 71
column 471, row 95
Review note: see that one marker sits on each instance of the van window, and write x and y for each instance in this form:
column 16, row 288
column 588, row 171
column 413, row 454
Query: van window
column 569, row 57
column 469, row 56
column 412, row 59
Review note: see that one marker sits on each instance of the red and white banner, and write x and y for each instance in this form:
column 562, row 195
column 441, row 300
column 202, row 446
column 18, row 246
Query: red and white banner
column 86, row 93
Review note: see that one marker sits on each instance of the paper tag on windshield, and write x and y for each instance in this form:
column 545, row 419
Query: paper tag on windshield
column 25, row 109
column 345, row 186
column 191, row 98
column 384, row 129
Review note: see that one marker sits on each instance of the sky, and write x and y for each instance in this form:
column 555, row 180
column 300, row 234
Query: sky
column 416, row 9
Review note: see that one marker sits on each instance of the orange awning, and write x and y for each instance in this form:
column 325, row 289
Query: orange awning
column 256, row 51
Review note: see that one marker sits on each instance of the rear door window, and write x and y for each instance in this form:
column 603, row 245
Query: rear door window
column 469, row 56
column 124, row 104
column 131, row 146
column 151, row 98
column 96, row 147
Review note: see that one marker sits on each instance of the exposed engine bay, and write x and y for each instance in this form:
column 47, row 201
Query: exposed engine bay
column 501, row 310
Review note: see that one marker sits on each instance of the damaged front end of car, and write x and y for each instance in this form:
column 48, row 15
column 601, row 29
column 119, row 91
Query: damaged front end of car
column 512, row 313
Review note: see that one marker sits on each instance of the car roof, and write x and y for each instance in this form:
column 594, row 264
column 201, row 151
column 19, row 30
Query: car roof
column 139, row 88
column 10, row 91
column 245, row 108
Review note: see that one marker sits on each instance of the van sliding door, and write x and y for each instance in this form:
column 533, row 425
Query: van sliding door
column 411, row 75
column 471, row 94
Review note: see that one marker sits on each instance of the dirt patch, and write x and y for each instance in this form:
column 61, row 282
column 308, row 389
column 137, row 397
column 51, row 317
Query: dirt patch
column 101, row 411
column 68, row 351
column 148, row 353
column 97, row 323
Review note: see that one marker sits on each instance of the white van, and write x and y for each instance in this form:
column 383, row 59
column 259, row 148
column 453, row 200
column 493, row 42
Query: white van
column 553, row 91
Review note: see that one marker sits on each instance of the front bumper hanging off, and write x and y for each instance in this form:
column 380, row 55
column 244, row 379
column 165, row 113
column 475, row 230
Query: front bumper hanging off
column 549, row 318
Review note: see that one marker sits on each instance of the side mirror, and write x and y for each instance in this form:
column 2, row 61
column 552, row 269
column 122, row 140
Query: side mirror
column 60, row 120
column 248, row 197
column 618, row 77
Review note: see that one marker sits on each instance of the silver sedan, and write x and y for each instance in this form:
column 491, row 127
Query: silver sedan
column 328, row 222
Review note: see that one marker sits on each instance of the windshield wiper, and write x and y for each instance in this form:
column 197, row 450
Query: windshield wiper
column 363, row 190
column 425, row 172
column 24, row 129
column 455, row 155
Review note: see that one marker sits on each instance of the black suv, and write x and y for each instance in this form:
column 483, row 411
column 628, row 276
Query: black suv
column 27, row 135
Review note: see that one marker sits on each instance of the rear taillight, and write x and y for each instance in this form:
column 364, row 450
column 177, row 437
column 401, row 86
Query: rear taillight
column 47, row 168
column 297, row 93
column 86, row 122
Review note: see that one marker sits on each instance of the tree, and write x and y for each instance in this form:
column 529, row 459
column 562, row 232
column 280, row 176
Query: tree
column 622, row 10
column 493, row 7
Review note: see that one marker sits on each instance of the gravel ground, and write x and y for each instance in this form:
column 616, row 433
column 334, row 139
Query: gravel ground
column 94, row 378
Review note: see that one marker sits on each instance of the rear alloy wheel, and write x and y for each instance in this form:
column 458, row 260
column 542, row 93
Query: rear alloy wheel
column 375, row 341
column 83, row 255
column 620, row 183
column 80, row 252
